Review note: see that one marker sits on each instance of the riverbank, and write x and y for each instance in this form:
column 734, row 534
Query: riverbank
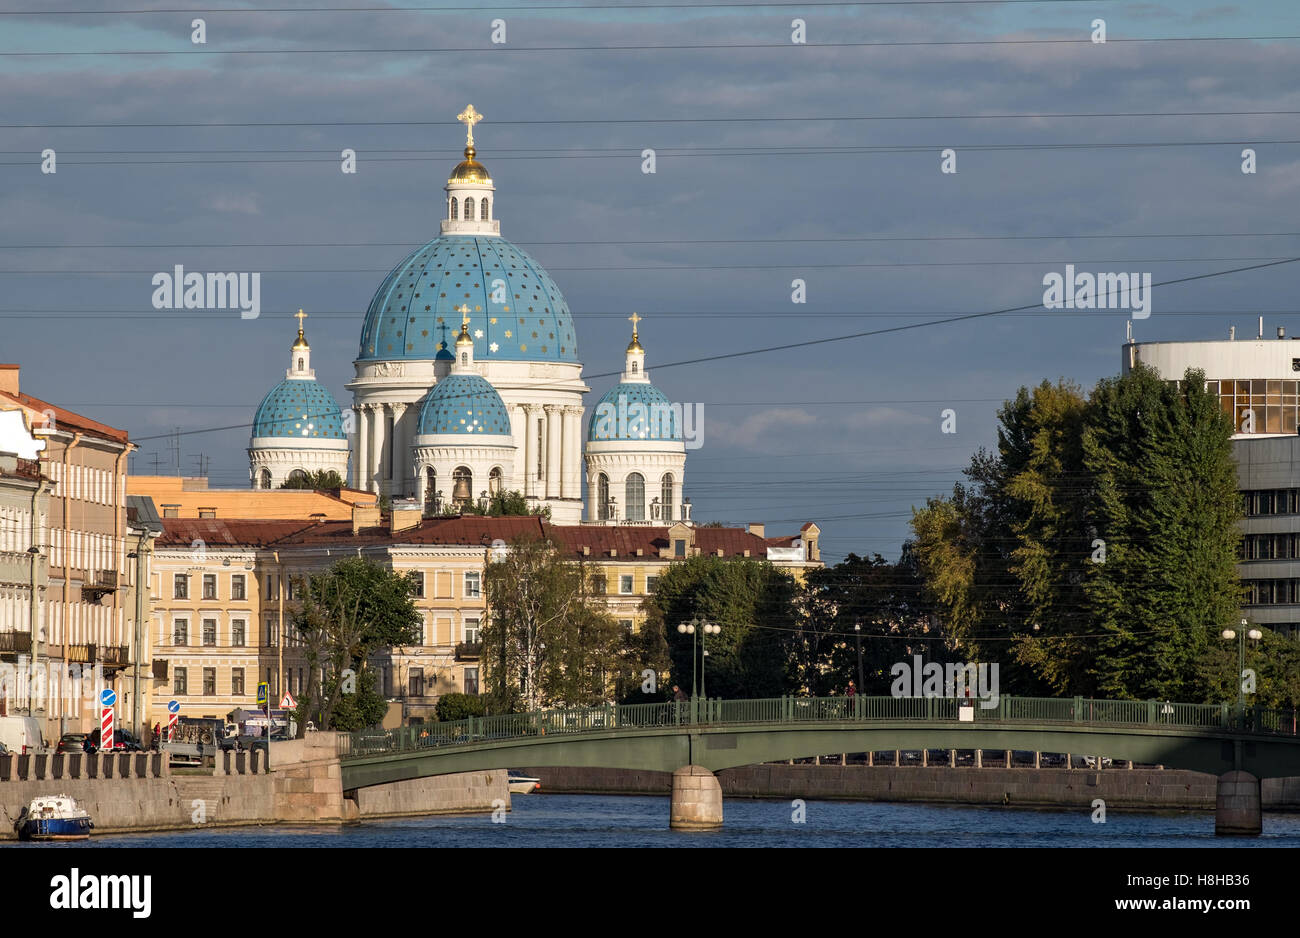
column 1121, row 789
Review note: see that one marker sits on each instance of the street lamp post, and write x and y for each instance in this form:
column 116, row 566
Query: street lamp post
column 700, row 627
column 1254, row 635
column 857, row 638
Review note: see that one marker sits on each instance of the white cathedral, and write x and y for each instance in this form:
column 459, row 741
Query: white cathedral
column 468, row 384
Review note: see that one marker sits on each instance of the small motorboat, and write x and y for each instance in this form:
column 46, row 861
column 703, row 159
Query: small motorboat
column 54, row 817
column 521, row 784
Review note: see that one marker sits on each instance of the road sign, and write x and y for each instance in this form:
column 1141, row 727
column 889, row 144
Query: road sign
column 106, row 728
column 263, row 692
column 287, row 702
column 107, row 697
column 173, row 707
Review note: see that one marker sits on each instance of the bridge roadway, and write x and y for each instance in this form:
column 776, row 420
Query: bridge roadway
column 696, row 738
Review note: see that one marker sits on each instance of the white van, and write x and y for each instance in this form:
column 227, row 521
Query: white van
column 21, row 735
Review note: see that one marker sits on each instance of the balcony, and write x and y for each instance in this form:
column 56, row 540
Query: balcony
column 98, row 584
column 114, row 656
column 468, row 651
column 83, row 654
column 13, row 644
column 160, row 669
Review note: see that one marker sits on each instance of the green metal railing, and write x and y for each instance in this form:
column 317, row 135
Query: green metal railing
column 713, row 712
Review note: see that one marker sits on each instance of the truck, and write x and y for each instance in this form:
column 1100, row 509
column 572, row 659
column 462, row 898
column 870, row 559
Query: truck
column 195, row 737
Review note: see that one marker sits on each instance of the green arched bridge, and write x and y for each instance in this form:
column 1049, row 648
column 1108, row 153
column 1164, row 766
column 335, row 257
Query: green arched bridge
column 720, row 734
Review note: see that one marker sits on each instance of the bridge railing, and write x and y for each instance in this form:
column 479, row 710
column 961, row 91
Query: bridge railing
column 859, row 709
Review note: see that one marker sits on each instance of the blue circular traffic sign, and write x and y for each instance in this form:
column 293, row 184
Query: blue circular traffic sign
column 173, row 707
column 107, row 697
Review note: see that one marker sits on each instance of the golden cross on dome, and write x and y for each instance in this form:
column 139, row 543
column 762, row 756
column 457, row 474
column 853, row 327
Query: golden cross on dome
column 463, row 309
column 300, row 316
column 634, row 319
column 469, row 117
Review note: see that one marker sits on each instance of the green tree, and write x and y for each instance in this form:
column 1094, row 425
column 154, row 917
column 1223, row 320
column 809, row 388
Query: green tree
column 323, row 479
column 548, row 637
column 346, row 613
column 502, row 504
column 751, row 600
column 453, row 707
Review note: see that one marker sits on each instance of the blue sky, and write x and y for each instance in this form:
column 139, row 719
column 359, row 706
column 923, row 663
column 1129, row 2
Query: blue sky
column 847, row 434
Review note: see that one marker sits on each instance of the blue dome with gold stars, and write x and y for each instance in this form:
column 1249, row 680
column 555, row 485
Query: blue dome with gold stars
column 464, row 403
column 516, row 311
column 634, row 410
column 299, row 408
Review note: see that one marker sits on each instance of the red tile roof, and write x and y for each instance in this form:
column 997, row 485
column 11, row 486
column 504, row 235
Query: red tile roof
column 221, row 532
column 626, row 539
column 68, row 420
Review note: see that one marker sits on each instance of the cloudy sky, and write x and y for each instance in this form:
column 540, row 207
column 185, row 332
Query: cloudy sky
column 776, row 161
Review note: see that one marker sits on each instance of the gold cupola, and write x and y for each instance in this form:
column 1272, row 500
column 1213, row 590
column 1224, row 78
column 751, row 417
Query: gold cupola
column 471, row 170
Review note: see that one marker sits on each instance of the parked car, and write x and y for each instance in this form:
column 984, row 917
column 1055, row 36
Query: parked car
column 70, row 742
column 1052, row 760
column 22, row 735
column 1091, row 762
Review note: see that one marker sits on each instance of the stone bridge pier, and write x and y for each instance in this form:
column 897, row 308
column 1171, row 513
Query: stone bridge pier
column 1237, row 805
column 696, row 800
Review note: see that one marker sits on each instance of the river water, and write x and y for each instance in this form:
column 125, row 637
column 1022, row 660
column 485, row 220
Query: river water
column 542, row 820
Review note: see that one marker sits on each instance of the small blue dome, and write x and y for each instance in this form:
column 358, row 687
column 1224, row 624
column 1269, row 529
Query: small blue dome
column 634, row 411
column 517, row 313
column 444, row 354
column 465, row 404
column 299, row 408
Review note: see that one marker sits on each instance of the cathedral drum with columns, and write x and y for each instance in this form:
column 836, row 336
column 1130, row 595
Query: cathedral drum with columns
column 523, row 345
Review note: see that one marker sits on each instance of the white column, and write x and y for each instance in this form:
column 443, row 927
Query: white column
column 566, row 452
column 379, row 414
column 361, row 457
column 575, row 454
column 401, row 458
column 553, row 451
column 530, row 449
column 518, row 433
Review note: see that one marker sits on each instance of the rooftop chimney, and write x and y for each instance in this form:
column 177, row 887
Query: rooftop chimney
column 9, row 379
column 1281, row 332
column 406, row 514
column 364, row 515
column 1232, row 333
column 757, row 529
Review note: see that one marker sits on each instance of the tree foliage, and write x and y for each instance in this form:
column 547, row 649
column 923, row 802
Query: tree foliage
column 343, row 615
column 323, row 479
column 1094, row 553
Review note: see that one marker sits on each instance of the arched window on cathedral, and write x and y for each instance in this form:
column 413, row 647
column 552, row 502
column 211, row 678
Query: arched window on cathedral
column 634, row 369
column 298, row 477
column 430, row 491
column 454, row 207
column 483, row 210
column 462, row 485
column 469, row 209
column 634, row 497
column 300, row 364
column 464, row 358
column 494, row 481
column 602, row 497
column 264, row 479
column 666, row 495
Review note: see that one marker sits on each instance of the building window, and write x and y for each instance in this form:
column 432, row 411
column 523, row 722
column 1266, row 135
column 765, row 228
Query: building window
column 430, row 491
column 209, row 681
column 237, row 631
column 483, row 210
column 625, row 584
column 238, row 587
column 415, row 682
column 179, row 683
column 455, row 209
column 294, row 586
column 471, row 631
column 298, row 477
column 634, row 497
column 602, row 497
column 270, row 586
column 679, row 548
column 237, row 682
column 180, row 586
column 418, row 575
column 171, row 511
column 598, row 584
column 181, row 632
column 264, row 478
column 651, row 584
column 462, row 485
column 471, row 681
column 625, row 623
column 494, row 481
column 209, row 586
column 473, row 584
column 269, row 633
column 209, row 631
column 469, row 209
column 666, row 496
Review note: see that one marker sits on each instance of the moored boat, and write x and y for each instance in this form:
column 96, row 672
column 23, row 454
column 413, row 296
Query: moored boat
column 54, row 817
column 521, row 784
